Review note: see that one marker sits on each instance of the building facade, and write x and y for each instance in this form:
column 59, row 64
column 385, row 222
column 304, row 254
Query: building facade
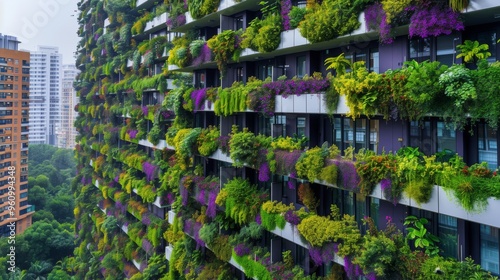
column 15, row 212
column 299, row 140
column 45, row 95
column 66, row 133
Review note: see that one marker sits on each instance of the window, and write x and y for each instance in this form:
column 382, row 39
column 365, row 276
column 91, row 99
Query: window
column 448, row 235
column 432, row 136
column 238, row 22
column 301, row 66
column 348, row 132
column 490, row 249
column 445, row 49
column 278, row 125
column 264, row 70
column 420, row 49
column 301, row 126
column 239, row 74
column 374, row 61
column 487, row 146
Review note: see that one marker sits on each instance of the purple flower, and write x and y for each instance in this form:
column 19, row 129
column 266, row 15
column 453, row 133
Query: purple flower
column 264, row 172
column 292, row 217
column 198, row 96
column 184, row 194
column 204, row 57
column 385, row 184
column 211, row 204
column 349, row 177
column 201, row 197
column 150, row 170
column 315, row 255
column 286, row 6
column 146, row 220
column 132, row 133
column 146, row 245
column 241, row 250
column 258, row 219
column 434, row 21
column 291, row 185
column 170, row 198
column 145, row 110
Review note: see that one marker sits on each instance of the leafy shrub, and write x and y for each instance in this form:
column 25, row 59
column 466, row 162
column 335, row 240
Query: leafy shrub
column 208, row 141
column 310, row 163
column 242, row 147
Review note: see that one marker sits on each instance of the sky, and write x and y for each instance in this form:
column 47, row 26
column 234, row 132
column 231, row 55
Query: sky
column 42, row 22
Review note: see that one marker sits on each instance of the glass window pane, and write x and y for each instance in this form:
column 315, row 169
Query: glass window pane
column 301, row 66
column 448, row 235
column 348, row 203
column 301, row 126
column 446, row 138
column 348, row 132
column 489, row 249
column 420, row 49
column 360, row 134
column 445, row 51
column 487, row 146
column 374, row 61
column 337, row 133
column 374, row 128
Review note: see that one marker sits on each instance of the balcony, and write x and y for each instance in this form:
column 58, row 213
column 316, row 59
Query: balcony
column 157, row 23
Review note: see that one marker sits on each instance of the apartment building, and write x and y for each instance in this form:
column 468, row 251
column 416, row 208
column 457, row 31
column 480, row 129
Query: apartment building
column 66, row 133
column 14, row 129
column 287, row 145
column 45, row 95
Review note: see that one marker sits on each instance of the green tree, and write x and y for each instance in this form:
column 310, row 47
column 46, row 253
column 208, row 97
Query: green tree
column 63, row 159
column 38, row 153
column 41, row 215
column 43, row 181
column 37, row 196
column 38, row 271
column 58, row 274
column 62, row 208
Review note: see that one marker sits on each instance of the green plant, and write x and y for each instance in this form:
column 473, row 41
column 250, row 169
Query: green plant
column 243, row 147
column 263, row 35
column 362, row 90
column 225, row 47
column 208, row 141
column 378, row 255
column 419, row 234
column 296, row 16
column 154, row 134
column 272, row 214
column 318, row 24
column 310, row 163
column 329, row 174
column 472, row 51
column 241, row 199
column 338, row 63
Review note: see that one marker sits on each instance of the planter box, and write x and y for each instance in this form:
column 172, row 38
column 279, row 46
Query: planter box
column 124, row 229
column 168, row 252
column 433, row 204
column 171, row 217
column 377, row 192
column 300, row 103
column 313, row 102
column 449, row 207
column 489, row 216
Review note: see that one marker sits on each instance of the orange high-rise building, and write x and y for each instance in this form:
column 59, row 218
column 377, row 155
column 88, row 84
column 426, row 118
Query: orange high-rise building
column 15, row 212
